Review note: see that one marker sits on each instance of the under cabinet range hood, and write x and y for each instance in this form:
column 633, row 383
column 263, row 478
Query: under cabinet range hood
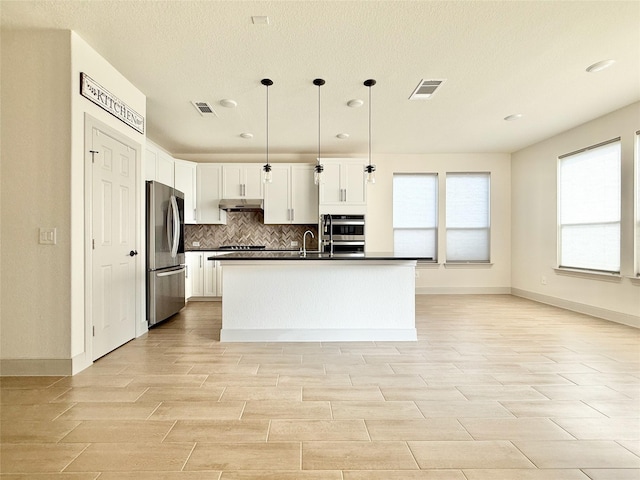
column 241, row 204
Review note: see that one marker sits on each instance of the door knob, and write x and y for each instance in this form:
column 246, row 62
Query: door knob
column 133, row 253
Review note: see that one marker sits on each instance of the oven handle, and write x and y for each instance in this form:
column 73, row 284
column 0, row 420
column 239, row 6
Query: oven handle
column 348, row 222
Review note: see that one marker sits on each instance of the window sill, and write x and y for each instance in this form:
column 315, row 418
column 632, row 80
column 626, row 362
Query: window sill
column 635, row 280
column 588, row 274
column 428, row 264
column 468, row 265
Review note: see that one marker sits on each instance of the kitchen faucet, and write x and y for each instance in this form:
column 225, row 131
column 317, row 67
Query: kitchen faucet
column 304, row 242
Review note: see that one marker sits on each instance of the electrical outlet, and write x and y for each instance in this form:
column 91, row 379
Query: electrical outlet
column 294, row 243
column 195, row 244
column 543, row 280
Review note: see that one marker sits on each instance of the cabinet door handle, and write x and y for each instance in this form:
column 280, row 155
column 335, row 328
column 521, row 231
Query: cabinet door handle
column 293, row 213
column 200, row 258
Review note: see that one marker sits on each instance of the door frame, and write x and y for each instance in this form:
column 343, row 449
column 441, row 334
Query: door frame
column 141, row 328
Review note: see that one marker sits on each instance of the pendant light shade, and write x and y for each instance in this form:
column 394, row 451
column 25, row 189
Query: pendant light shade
column 319, row 168
column 370, row 169
column 267, row 178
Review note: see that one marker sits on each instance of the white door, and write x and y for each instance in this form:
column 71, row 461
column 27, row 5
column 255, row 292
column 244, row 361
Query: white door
column 114, row 243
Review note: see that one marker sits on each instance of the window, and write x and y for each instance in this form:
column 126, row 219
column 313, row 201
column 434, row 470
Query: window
column 468, row 217
column 415, row 214
column 589, row 210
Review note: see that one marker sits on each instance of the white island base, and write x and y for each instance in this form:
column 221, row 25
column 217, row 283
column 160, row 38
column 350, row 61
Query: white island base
column 318, row 301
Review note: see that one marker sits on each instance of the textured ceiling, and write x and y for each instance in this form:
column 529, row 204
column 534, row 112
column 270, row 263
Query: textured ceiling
column 498, row 58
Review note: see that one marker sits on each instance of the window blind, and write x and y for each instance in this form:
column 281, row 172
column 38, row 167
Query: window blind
column 415, row 214
column 468, row 217
column 589, row 210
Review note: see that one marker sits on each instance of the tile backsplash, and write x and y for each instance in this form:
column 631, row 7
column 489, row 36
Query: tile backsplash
column 248, row 228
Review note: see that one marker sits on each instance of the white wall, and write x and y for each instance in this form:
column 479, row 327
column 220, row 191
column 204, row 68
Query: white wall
column 534, row 220
column 43, row 174
column 85, row 59
column 36, row 146
column 495, row 278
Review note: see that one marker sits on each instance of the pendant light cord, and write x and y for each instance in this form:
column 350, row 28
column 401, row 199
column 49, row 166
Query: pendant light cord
column 267, row 124
column 318, row 160
column 369, row 125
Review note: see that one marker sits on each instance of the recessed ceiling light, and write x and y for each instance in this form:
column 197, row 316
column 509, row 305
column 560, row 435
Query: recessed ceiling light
column 246, row 135
column 515, row 116
column 226, row 102
column 355, row 103
column 596, row 67
column 260, row 20
column 342, row 136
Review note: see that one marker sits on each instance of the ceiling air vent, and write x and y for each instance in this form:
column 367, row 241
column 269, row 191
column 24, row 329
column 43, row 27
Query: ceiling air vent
column 204, row 108
column 426, row 88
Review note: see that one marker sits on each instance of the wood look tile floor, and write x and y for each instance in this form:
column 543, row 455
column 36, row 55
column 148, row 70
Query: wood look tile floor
column 496, row 387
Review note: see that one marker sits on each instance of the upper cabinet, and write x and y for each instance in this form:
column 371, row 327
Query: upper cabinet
column 158, row 164
column 343, row 182
column 209, row 193
column 243, row 180
column 292, row 197
column 185, row 181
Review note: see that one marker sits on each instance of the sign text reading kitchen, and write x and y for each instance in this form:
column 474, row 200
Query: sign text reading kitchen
column 92, row 90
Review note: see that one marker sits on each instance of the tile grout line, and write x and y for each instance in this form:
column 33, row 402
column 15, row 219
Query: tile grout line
column 75, row 458
column 189, row 456
column 169, row 431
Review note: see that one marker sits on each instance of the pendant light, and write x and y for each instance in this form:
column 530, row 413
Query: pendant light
column 317, row 172
column 370, row 170
column 268, row 178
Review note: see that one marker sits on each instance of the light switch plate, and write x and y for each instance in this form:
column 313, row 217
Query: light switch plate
column 47, row 236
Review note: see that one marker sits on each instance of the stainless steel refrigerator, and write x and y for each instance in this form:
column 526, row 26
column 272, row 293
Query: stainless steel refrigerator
column 165, row 251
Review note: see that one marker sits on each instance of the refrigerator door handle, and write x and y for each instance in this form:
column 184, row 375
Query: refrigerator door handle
column 173, row 226
column 172, row 272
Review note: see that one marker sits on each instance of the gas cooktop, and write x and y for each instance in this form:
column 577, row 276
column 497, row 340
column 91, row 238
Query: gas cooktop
column 242, row 247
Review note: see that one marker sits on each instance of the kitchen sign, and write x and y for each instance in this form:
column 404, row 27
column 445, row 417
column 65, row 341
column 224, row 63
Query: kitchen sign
column 102, row 97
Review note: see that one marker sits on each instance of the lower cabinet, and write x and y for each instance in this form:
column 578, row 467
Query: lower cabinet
column 204, row 277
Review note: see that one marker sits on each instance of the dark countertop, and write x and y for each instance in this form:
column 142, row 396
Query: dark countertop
column 295, row 255
column 201, row 249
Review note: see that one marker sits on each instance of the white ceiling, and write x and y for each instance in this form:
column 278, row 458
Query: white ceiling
column 498, row 58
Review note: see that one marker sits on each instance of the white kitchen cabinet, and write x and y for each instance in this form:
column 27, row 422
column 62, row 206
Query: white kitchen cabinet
column 209, row 193
column 343, row 182
column 164, row 169
column 206, row 275
column 190, row 276
column 185, row 181
column 292, row 197
column 158, row 164
column 242, row 180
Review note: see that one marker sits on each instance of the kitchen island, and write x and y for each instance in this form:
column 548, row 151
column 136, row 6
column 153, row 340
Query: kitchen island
column 287, row 297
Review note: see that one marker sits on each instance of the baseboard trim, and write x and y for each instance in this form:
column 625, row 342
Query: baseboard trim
column 319, row 335
column 42, row 367
column 463, row 290
column 606, row 314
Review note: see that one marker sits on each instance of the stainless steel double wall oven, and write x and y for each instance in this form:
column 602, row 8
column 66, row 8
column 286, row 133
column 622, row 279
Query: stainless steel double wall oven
column 342, row 234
